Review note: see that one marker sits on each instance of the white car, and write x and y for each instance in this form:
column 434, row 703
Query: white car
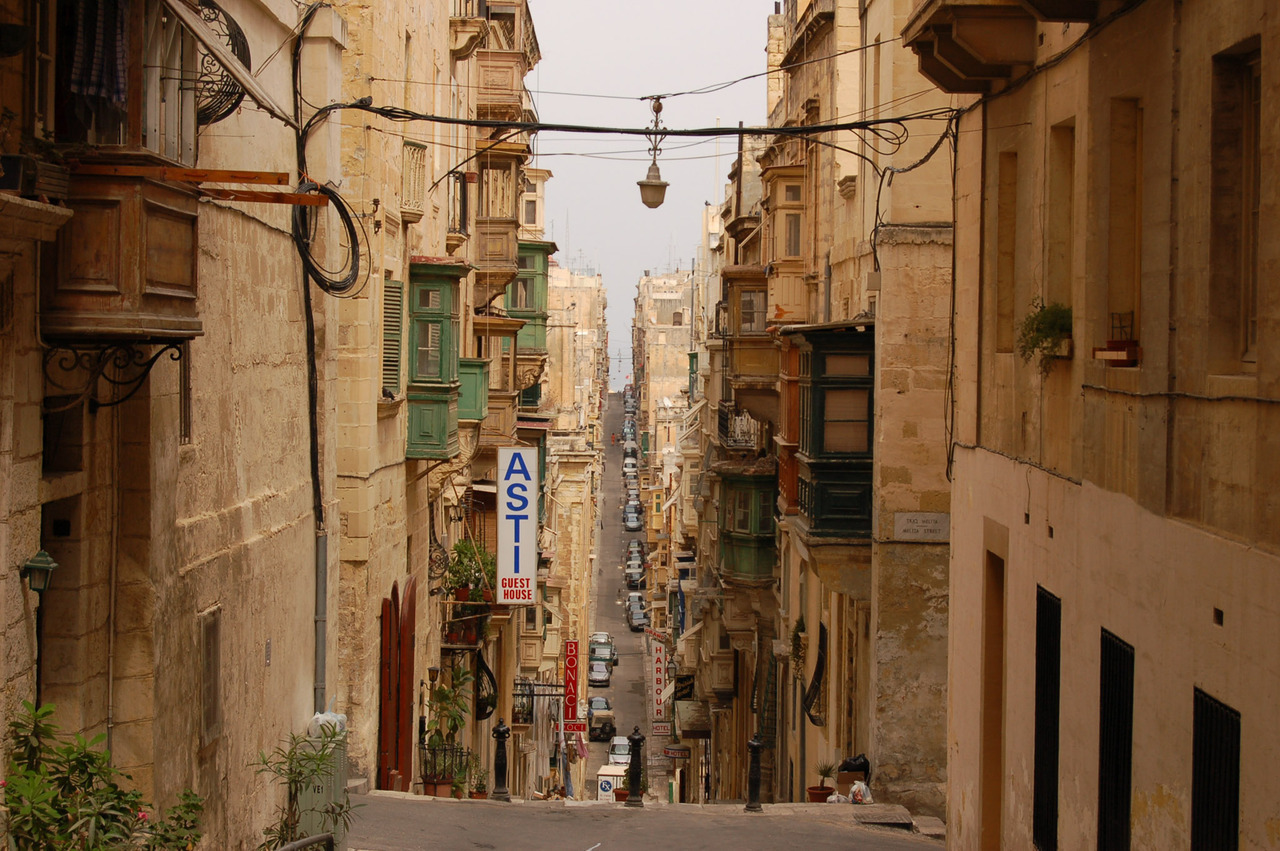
column 619, row 750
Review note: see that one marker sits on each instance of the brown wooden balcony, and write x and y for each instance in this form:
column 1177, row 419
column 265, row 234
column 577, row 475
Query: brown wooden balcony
column 970, row 45
column 124, row 267
column 501, row 92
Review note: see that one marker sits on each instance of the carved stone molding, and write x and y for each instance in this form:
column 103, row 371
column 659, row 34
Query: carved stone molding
column 529, row 368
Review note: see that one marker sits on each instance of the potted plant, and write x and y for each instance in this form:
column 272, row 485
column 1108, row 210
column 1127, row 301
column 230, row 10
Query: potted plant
column 1045, row 334
column 471, row 566
column 479, row 777
column 447, row 706
column 818, row 794
column 797, row 645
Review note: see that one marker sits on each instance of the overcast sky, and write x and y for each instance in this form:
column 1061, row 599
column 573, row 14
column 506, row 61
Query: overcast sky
column 626, row 51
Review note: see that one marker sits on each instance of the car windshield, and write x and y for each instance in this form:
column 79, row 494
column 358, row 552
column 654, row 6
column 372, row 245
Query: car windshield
column 599, row 703
column 621, row 748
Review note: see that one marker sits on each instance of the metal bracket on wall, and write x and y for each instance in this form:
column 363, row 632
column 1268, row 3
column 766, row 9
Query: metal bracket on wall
column 74, row 371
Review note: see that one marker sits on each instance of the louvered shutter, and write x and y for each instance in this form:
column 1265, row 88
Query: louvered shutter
column 392, row 323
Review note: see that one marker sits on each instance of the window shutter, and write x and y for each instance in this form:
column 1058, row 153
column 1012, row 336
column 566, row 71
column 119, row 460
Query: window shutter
column 392, row 323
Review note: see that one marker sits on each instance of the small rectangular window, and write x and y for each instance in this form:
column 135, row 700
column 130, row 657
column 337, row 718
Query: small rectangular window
column 764, row 506
column 846, row 420
column 428, row 349
column 742, row 511
column 1124, row 232
column 855, row 365
column 791, row 231
column 1006, row 250
column 531, row 619
column 753, row 309
column 1236, row 197
column 530, row 212
column 791, row 193
column 210, row 625
column 184, row 395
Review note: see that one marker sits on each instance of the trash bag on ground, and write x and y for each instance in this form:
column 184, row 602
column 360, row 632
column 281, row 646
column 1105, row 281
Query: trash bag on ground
column 861, row 793
column 857, row 763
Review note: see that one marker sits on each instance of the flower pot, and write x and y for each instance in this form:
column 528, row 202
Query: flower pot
column 620, row 795
column 487, row 595
column 461, row 595
column 819, row 794
column 479, row 794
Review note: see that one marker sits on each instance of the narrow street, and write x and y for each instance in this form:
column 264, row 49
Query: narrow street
column 392, row 821
column 626, row 690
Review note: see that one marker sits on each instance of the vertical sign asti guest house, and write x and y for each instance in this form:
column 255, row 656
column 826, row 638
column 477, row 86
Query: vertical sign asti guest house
column 517, row 524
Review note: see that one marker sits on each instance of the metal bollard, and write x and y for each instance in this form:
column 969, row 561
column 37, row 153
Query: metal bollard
column 753, row 775
column 635, row 798
column 501, row 732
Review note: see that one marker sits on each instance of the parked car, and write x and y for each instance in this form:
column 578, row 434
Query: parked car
column 619, row 750
column 600, row 719
column 637, row 617
column 635, row 545
column 635, row 597
column 600, row 636
column 635, row 577
column 631, row 520
column 603, row 651
column 598, row 674
column 629, row 465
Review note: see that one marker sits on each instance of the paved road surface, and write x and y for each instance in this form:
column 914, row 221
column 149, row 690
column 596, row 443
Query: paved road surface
column 390, row 821
column 626, row 691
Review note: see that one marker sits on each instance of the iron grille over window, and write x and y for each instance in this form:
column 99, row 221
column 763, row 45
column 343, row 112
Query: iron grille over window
column 457, row 184
column 1044, row 820
column 1115, row 743
column 1215, row 775
column 813, row 696
column 413, row 196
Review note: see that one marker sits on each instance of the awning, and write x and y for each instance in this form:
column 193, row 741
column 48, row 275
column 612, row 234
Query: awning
column 693, row 719
column 217, row 47
column 482, row 487
column 540, row 424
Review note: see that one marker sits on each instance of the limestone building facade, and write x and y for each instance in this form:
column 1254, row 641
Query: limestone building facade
column 1114, row 537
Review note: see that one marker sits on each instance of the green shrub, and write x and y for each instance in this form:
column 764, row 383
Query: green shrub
column 66, row 795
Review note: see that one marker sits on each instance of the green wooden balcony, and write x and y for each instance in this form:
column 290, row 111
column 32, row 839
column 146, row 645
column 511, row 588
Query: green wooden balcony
column 473, row 394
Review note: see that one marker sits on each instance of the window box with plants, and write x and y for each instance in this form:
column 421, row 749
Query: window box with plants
column 1045, row 334
column 469, row 581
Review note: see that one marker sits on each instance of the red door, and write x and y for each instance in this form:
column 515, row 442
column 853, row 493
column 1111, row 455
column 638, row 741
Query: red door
column 395, row 706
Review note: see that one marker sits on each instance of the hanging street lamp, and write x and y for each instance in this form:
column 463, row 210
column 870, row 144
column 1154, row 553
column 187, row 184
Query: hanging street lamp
column 653, row 189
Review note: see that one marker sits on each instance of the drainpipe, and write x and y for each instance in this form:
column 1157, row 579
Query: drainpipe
column 321, row 614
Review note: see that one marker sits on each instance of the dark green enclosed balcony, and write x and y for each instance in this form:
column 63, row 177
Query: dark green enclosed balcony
column 432, row 389
column 473, row 395
column 836, row 415
column 749, row 490
column 433, row 423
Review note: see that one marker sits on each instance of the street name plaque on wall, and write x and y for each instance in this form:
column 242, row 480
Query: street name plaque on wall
column 921, row 526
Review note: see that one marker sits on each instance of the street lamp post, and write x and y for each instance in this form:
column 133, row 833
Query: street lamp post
column 501, row 732
column 753, row 775
column 635, row 796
